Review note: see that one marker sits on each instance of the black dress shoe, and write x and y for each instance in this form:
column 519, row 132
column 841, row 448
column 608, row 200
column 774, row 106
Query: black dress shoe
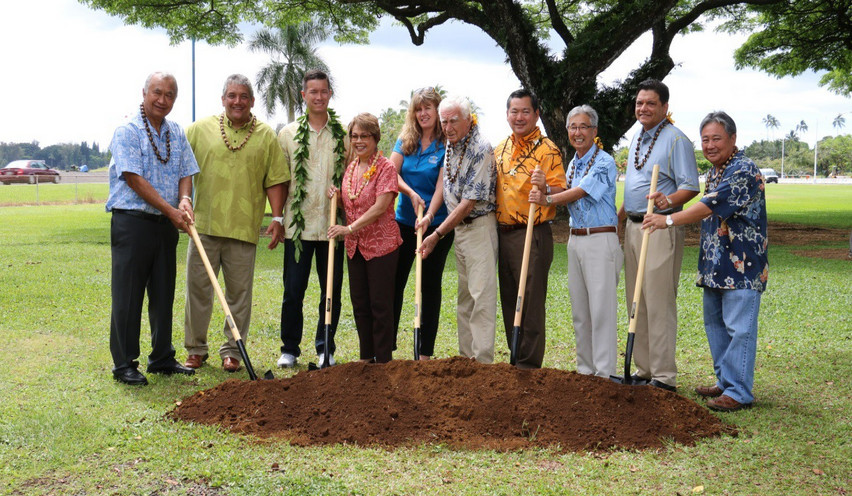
column 638, row 381
column 663, row 385
column 170, row 368
column 130, row 376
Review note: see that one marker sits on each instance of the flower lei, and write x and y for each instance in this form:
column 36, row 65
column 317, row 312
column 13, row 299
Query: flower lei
column 599, row 147
column 715, row 174
column 151, row 138
column 225, row 136
column 369, row 173
column 300, row 172
column 668, row 120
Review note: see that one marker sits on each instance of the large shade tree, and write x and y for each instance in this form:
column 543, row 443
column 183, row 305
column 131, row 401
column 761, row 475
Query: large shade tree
column 591, row 36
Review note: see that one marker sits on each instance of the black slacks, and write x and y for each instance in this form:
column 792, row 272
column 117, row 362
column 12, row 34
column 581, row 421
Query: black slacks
column 296, row 276
column 432, row 277
column 143, row 258
column 371, row 290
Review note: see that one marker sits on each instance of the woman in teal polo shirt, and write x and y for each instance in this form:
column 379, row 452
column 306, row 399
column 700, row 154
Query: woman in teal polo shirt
column 419, row 159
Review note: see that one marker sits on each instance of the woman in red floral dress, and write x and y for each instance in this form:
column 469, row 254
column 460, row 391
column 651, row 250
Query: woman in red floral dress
column 372, row 238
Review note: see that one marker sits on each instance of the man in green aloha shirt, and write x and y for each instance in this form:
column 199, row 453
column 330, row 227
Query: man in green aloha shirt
column 315, row 149
column 241, row 168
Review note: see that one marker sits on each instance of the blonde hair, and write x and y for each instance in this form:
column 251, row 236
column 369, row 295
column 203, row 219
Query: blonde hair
column 411, row 131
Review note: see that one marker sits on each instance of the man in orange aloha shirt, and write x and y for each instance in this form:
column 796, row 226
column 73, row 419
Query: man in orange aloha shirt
column 517, row 157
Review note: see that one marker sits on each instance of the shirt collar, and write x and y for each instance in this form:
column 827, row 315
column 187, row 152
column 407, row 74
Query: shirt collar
column 528, row 141
column 650, row 133
column 228, row 122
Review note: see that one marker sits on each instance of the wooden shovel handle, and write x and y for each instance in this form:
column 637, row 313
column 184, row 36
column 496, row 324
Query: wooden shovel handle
column 525, row 261
column 329, row 273
column 418, row 270
column 643, row 254
column 215, row 282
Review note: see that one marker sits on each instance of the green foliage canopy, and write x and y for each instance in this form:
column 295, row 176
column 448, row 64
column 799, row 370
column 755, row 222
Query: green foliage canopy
column 792, row 37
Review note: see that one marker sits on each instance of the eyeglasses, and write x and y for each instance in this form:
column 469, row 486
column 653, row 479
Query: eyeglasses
column 581, row 127
column 360, row 137
column 425, row 89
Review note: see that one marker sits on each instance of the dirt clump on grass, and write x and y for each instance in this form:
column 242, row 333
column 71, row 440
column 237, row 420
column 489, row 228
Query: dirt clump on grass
column 455, row 402
column 780, row 234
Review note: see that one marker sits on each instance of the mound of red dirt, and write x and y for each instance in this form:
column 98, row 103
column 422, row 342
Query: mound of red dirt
column 455, row 402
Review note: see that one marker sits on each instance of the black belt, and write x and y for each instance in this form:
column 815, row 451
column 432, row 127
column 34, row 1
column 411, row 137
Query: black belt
column 636, row 217
column 511, row 227
column 468, row 220
column 162, row 219
column 583, row 231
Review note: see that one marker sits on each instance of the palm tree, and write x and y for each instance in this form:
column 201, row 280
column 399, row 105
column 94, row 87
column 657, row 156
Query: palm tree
column 839, row 122
column 802, row 126
column 294, row 52
column 770, row 122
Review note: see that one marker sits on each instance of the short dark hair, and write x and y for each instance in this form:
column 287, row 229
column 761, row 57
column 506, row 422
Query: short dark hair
column 719, row 117
column 368, row 123
column 657, row 86
column 523, row 93
column 315, row 74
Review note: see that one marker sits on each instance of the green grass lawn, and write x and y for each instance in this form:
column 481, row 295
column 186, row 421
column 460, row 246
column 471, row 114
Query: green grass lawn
column 67, row 428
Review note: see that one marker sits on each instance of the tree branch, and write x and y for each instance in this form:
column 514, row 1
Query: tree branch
column 557, row 23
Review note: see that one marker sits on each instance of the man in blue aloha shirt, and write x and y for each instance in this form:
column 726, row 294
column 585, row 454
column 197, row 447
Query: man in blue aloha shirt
column 732, row 264
column 150, row 183
column 470, row 181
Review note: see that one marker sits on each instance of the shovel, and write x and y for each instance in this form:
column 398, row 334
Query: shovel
column 329, row 288
column 418, row 277
column 522, row 285
column 637, row 292
column 225, row 308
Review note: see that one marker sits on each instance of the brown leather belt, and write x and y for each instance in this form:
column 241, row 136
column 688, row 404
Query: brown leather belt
column 593, row 230
column 468, row 220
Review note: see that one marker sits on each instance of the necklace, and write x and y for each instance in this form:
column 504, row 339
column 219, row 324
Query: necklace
column 151, row 138
column 367, row 175
column 715, row 174
column 574, row 168
column 514, row 170
column 636, row 163
column 225, row 137
column 451, row 155
column 300, row 170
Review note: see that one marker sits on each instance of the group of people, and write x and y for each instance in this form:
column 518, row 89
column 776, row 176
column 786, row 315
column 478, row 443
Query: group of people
column 475, row 198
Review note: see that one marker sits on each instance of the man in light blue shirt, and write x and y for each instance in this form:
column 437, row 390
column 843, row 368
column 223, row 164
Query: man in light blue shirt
column 658, row 142
column 150, row 183
column 594, row 255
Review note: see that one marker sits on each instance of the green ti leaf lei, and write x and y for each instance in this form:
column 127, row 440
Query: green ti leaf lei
column 300, row 173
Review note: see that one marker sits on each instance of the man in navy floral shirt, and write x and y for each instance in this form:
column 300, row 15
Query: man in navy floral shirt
column 732, row 262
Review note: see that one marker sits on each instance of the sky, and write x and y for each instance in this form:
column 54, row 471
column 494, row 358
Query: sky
column 73, row 74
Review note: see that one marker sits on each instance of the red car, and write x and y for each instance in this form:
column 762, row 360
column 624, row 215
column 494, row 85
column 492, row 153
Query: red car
column 28, row 171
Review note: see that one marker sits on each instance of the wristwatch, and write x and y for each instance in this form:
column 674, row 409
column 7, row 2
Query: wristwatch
column 669, row 221
column 279, row 220
column 548, row 199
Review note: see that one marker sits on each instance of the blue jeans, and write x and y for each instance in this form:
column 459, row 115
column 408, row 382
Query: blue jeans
column 730, row 320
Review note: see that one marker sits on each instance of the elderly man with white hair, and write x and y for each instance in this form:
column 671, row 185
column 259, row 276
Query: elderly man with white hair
column 470, row 181
column 594, row 255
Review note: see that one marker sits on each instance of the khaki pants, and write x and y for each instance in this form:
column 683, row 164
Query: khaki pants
column 476, row 262
column 236, row 259
column 594, row 262
column 656, row 315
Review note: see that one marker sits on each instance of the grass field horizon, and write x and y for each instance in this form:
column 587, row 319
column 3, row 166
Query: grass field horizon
column 67, row 428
